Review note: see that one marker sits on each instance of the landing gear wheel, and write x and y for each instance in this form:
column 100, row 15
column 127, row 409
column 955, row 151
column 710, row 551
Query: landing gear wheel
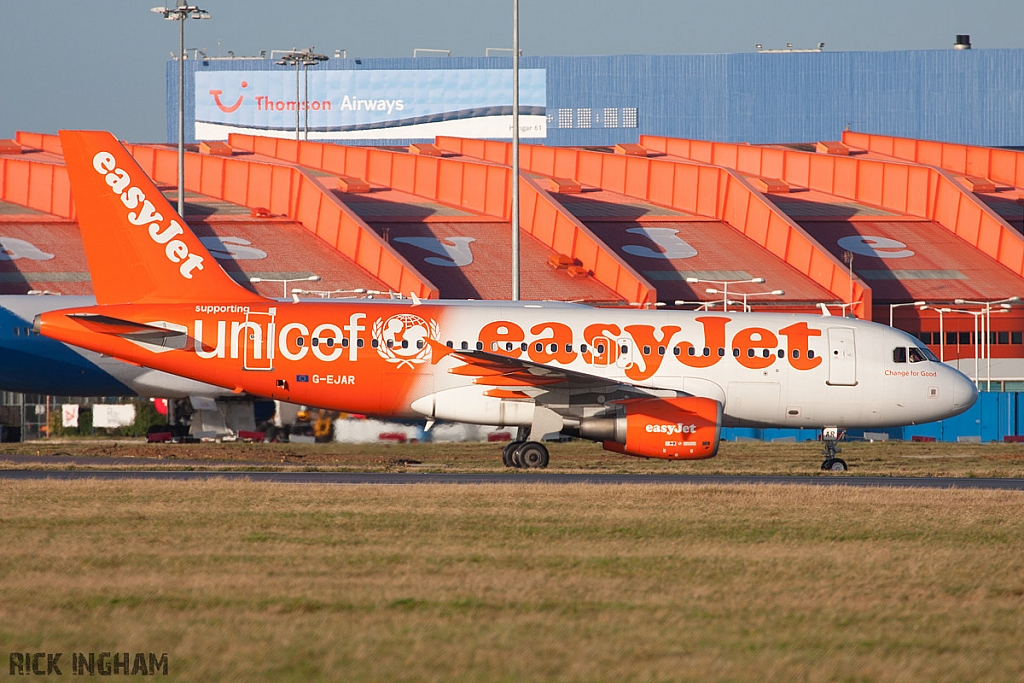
column 508, row 452
column 532, row 455
column 834, row 465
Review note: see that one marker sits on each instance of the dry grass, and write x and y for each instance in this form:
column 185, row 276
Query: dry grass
column 243, row 581
column 874, row 459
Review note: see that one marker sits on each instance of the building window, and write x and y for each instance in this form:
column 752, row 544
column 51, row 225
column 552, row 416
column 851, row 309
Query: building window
column 629, row 117
column 583, row 118
column 565, row 118
column 611, row 117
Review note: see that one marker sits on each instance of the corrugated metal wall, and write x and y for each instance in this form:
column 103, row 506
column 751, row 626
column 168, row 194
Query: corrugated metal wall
column 965, row 96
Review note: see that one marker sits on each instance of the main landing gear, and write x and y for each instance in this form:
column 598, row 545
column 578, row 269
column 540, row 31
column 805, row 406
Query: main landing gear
column 830, row 435
column 525, row 454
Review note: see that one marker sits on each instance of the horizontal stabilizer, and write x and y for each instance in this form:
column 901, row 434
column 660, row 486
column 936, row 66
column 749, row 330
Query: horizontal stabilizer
column 105, row 324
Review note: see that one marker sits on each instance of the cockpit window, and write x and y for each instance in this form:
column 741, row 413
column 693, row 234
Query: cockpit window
column 899, row 355
column 929, row 354
column 916, row 355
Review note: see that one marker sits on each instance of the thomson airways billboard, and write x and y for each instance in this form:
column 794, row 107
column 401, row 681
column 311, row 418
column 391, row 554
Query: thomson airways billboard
column 363, row 105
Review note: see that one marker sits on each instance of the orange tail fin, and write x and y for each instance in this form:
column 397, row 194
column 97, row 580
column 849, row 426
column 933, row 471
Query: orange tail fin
column 138, row 248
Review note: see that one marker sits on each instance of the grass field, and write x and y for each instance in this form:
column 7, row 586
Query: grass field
column 874, row 459
column 245, row 581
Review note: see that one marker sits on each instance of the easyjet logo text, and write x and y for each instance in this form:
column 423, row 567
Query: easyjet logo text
column 142, row 213
column 669, row 430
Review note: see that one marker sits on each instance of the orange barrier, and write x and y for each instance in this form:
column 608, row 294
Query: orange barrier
column 922, row 191
column 1001, row 165
column 36, row 185
column 290, row 192
column 691, row 188
column 476, row 187
column 43, row 141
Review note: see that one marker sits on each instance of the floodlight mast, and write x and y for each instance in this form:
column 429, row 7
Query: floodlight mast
column 180, row 12
column 515, row 150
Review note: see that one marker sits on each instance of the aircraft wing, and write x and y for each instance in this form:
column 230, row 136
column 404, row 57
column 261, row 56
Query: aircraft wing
column 516, row 378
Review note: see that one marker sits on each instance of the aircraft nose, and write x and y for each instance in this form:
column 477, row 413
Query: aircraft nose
column 965, row 393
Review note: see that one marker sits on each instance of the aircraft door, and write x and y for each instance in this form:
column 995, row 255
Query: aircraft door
column 842, row 357
column 258, row 340
column 624, row 352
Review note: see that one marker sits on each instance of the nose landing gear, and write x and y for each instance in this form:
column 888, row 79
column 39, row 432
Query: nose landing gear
column 829, row 436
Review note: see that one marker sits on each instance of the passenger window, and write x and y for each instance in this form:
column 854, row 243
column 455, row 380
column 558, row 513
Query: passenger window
column 647, row 350
column 661, row 350
column 583, row 348
column 899, row 355
column 299, row 341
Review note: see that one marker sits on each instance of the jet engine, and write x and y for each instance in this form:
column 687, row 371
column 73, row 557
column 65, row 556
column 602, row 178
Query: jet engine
column 687, row 427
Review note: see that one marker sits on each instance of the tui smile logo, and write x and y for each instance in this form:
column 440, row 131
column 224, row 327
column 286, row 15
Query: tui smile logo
column 228, row 109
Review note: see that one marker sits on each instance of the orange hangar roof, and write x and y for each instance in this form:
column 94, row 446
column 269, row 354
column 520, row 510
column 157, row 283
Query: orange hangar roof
column 866, row 223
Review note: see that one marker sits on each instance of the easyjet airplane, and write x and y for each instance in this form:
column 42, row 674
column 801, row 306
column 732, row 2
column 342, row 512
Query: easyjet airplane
column 656, row 384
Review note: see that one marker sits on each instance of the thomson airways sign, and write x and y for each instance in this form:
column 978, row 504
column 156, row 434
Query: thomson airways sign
column 368, row 105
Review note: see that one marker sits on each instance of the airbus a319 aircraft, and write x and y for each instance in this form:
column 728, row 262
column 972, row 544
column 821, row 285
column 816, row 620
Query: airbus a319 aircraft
column 658, row 384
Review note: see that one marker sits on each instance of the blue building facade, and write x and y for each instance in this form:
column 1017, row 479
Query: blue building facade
column 967, row 96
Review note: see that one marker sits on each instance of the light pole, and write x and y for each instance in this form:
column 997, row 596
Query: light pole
column 977, row 340
column 515, row 150
column 725, row 286
column 701, row 305
column 746, row 308
column 942, row 332
column 180, row 13
column 288, row 59
column 285, row 281
column 1004, row 304
column 309, row 58
column 892, row 307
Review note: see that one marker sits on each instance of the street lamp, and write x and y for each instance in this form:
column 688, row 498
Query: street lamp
column 725, row 286
column 701, row 305
column 977, row 340
column 746, row 308
column 515, row 150
column 285, row 281
column 892, row 307
column 180, row 13
column 942, row 331
column 1004, row 304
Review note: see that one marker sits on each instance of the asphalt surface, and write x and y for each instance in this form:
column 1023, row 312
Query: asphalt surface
column 405, row 478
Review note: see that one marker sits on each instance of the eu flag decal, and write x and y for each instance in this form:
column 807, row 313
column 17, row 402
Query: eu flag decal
column 301, row 378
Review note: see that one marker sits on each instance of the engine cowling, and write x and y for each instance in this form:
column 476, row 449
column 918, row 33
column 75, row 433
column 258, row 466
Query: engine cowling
column 675, row 428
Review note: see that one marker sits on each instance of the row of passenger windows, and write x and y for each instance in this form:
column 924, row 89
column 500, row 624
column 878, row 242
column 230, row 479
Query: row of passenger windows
column 599, row 349
column 330, row 342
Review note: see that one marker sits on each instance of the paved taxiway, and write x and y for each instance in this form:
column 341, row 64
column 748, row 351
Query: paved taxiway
column 511, row 477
